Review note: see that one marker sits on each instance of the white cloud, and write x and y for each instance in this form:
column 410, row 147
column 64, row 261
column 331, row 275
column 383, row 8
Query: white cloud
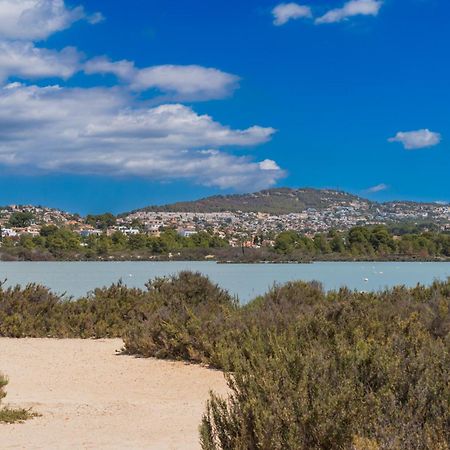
column 100, row 131
column 269, row 164
column 412, row 140
column 350, row 9
column 111, row 131
column 189, row 82
column 186, row 80
column 37, row 19
column 24, row 60
column 284, row 12
column 378, row 188
column 95, row 18
column 24, row 21
column 124, row 69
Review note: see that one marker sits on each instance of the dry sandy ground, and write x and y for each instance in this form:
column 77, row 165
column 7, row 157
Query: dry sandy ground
column 92, row 398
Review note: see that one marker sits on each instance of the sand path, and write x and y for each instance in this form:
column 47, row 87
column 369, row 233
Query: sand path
column 92, row 398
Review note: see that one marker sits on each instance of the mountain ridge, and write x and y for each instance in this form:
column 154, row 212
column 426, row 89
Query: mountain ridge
column 275, row 201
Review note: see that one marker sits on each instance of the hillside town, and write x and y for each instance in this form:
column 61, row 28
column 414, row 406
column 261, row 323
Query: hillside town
column 235, row 227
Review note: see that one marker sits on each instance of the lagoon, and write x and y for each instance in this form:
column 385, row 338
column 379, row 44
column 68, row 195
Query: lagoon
column 76, row 279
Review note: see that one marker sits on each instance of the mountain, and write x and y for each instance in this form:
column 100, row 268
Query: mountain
column 274, row 201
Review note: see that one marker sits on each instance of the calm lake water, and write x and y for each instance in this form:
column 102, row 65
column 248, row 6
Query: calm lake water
column 244, row 280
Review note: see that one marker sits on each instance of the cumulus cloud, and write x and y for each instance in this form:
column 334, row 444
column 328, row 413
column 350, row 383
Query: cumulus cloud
column 269, row 164
column 100, row 131
column 24, row 21
column 24, row 60
column 378, row 188
column 191, row 82
column 284, row 12
column 350, row 9
column 113, row 131
column 413, row 140
column 37, row 19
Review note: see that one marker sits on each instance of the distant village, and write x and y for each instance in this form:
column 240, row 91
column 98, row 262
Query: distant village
column 238, row 228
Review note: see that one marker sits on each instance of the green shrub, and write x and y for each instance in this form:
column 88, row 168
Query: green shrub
column 188, row 320
column 176, row 317
column 337, row 371
column 306, row 369
column 3, row 384
column 107, row 312
column 34, row 311
column 8, row 415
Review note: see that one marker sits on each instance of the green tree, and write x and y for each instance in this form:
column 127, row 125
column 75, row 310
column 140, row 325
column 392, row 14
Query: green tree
column 119, row 241
column 101, row 221
column 21, row 219
column 321, row 244
column 137, row 241
column 26, row 241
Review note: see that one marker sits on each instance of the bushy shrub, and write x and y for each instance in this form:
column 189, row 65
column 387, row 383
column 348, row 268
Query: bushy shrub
column 188, row 320
column 3, row 384
column 107, row 312
column 175, row 317
column 337, row 371
column 306, row 369
column 34, row 311
column 9, row 415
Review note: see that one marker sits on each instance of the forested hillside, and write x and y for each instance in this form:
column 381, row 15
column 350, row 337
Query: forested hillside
column 275, row 201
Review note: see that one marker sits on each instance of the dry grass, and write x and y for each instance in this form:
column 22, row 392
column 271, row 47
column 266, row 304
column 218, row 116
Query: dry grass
column 10, row 415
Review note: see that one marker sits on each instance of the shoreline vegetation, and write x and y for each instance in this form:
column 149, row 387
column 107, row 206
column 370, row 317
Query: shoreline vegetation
column 306, row 369
column 370, row 243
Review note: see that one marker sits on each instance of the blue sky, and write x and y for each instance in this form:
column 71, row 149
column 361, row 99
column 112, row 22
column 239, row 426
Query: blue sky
column 109, row 106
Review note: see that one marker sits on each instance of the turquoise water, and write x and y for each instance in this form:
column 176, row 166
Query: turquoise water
column 244, row 280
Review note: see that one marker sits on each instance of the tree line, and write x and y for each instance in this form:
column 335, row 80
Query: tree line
column 62, row 242
column 369, row 241
column 363, row 242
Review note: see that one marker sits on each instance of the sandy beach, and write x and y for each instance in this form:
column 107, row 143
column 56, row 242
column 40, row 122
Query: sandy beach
column 91, row 397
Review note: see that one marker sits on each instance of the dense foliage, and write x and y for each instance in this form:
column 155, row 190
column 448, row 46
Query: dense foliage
column 101, row 221
column 63, row 243
column 360, row 243
column 337, row 371
column 190, row 318
column 306, row 369
column 115, row 311
column 365, row 242
column 21, row 219
column 34, row 311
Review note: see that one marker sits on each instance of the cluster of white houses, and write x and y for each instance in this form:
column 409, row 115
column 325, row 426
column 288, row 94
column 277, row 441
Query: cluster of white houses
column 236, row 227
column 311, row 221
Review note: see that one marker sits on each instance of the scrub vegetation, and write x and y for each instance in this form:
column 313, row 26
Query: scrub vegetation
column 9, row 415
column 306, row 369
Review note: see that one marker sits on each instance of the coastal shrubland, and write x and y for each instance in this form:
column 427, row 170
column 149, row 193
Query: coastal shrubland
column 185, row 302
column 337, row 371
column 188, row 321
column 307, row 369
column 34, row 311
